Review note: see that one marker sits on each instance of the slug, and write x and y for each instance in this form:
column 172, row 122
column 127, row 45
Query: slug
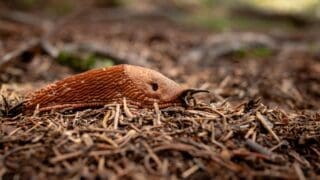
column 140, row 86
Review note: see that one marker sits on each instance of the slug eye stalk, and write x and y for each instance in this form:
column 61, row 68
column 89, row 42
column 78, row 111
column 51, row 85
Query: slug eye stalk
column 187, row 95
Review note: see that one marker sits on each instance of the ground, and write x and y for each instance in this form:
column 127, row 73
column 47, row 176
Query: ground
column 260, row 120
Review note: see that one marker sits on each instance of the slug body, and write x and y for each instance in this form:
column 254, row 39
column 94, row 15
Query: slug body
column 140, row 86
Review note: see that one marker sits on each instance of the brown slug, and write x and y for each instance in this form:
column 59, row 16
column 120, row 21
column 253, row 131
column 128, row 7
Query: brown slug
column 140, row 86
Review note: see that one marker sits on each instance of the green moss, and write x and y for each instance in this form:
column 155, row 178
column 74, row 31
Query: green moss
column 98, row 61
column 258, row 52
column 262, row 52
column 227, row 22
column 60, row 8
column 214, row 23
column 84, row 63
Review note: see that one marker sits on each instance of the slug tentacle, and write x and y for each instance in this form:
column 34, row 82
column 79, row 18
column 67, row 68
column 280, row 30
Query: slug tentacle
column 188, row 94
column 140, row 86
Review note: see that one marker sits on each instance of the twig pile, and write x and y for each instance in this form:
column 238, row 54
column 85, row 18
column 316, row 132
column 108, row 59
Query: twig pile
column 117, row 141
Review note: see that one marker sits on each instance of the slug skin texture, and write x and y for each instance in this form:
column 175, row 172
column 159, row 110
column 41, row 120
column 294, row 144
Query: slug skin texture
column 140, row 86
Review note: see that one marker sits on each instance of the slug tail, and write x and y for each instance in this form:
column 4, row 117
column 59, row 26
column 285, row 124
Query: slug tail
column 16, row 110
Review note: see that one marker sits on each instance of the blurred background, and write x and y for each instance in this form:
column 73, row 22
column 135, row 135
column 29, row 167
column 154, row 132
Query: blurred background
column 217, row 15
column 239, row 50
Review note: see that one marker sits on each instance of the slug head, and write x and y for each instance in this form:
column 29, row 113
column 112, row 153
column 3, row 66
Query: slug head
column 155, row 86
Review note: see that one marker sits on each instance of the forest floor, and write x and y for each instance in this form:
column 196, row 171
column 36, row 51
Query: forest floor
column 261, row 119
